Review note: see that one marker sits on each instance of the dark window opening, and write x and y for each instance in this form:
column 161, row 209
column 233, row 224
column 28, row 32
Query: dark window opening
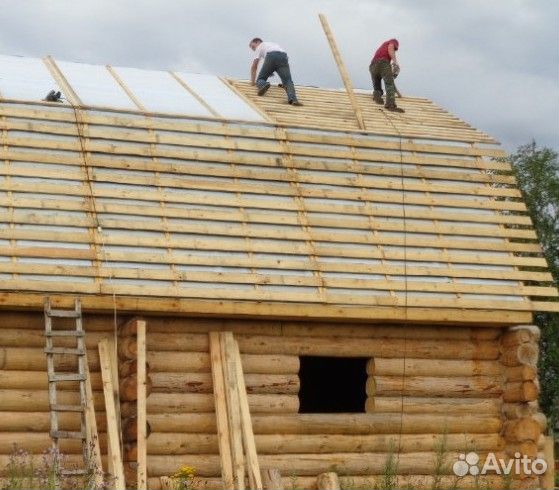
column 332, row 384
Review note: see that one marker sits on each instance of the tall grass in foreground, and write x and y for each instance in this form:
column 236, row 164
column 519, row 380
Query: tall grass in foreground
column 23, row 472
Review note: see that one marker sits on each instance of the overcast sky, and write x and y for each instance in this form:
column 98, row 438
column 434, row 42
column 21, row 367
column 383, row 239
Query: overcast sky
column 494, row 63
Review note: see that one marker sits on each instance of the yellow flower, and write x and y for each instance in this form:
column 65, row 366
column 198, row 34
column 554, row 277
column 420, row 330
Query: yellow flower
column 185, row 472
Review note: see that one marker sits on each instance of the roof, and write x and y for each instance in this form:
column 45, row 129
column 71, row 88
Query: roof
column 131, row 195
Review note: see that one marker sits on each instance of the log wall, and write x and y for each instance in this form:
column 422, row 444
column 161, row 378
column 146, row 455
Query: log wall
column 471, row 387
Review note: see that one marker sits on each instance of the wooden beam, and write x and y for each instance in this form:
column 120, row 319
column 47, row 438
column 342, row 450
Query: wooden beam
column 110, row 412
column 62, row 82
column 142, row 405
column 233, row 409
column 191, row 91
column 221, row 411
column 124, row 87
column 91, row 425
column 343, row 71
column 253, row 468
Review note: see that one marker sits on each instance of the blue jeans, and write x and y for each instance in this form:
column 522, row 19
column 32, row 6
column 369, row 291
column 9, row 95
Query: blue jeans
column 276, row 61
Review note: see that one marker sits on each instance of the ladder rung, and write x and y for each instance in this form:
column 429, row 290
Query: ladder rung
column 64, row 350
column 73, row 472
column 67, row 434
column 65, row 333
column 53, row 378
column 63, row 313
column 66, row 408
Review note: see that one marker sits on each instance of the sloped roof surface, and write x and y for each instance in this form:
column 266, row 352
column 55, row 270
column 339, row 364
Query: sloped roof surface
column 254, row 207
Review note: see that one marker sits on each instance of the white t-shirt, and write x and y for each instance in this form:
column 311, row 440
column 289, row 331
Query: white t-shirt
column 264, row 48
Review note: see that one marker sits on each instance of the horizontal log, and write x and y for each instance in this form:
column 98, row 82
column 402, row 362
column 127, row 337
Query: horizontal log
column 341, row 347
column 451, row 406
column 34, row 359
column 369, row 423
column 199, row 362
column 309, row 464
column 18, row 421
column 37, row 380
column 433, row 367
column 38, row 401
column 37, row 442
column 458, row 386
column 286, row 384
column 520, row 430
column 517, row 355
column 520, row 334
column 520, row 410
column 521, row 391
column 521, row 373
column 36, row 338
column 182, row 443
column 301, row 329
column 528, row 448
column 317, row 329
column 197, row 402
column 417, row 482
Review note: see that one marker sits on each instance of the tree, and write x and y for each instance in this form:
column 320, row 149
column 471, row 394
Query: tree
column 537, row 173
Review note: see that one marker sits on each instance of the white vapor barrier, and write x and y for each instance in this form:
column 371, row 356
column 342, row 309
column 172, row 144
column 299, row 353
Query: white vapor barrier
column 24, row 78
column 220, row 97
column 159, row 92
column 94, row 85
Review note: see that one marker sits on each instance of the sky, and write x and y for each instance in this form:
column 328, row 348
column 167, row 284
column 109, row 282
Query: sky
column 495, row 64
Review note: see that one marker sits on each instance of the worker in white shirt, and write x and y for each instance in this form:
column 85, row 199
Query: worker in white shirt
column 274, row 60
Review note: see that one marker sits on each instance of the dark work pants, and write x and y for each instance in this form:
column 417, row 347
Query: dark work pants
column 276, row 61
column 381, row 70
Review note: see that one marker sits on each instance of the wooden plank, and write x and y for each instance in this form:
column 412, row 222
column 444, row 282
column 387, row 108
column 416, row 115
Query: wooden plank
column 253, row 130
column 141, row 405
column 233, row 411
column 223, row 431
column 110, row 412
column 343, row 71
column 91, row 425
column 189, row 89
column 126, row 89
column 275, row 310
column 62, row 81
column 253, row 467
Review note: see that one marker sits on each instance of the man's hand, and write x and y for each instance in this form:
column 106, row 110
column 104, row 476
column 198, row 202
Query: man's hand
column 253, row 69
column 395, row 69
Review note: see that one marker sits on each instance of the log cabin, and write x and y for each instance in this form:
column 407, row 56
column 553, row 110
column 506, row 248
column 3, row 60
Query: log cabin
column 380, row 281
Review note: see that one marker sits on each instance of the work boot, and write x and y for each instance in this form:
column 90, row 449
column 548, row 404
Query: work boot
column 262, row 90
column 295, row 102
column 393, row 108
column 378, row 98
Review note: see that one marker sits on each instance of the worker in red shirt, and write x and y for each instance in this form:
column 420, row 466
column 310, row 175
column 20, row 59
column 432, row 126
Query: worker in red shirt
column 384, row 66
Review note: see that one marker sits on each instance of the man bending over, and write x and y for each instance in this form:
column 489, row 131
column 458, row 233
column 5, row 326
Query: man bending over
column 384, row 66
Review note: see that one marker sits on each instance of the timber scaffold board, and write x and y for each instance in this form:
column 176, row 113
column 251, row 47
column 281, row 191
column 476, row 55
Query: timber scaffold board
column 196, row 216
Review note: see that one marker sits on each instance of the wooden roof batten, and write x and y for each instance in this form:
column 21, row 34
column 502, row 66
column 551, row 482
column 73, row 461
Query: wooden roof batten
column 260, row 215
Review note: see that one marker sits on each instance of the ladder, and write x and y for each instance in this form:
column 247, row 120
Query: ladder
column 54, row 333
